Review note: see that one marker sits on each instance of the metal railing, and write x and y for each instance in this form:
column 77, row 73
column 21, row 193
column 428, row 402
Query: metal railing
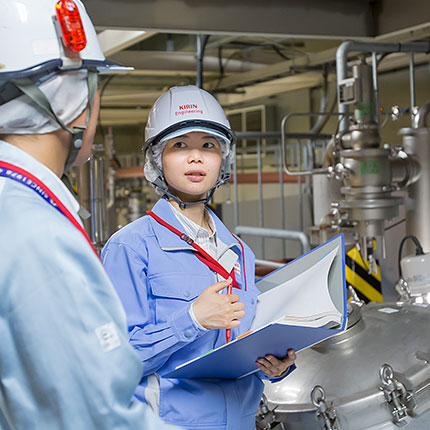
column 299, row 155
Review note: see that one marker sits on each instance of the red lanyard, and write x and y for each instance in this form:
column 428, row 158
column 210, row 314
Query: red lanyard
column 204, row 257
column 11, row 171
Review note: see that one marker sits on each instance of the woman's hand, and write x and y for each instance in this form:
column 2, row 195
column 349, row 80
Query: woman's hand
column 214, row 310
column 276, row 367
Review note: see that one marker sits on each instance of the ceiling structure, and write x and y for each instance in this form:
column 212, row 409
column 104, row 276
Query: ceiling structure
column 255, row 49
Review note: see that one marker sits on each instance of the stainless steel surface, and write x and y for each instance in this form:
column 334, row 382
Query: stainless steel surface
column 271, row 232
column 363, row 73
column 368, row 200
column 354, row 46
column 347, row 366
column 325, row 191
column 416, row 142
column 360, row 137
column 422, row 117
column 91, row 194
column 375, row 84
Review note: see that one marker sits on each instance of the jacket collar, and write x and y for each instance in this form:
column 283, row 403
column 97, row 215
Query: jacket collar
column 169, row 241
column 11, row 154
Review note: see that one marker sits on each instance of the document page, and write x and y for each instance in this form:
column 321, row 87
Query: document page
column 306, row 296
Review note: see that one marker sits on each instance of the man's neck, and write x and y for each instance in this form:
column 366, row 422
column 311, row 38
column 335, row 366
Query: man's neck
column 49, row 149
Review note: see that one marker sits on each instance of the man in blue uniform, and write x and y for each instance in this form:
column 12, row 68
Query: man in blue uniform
column 65, row 360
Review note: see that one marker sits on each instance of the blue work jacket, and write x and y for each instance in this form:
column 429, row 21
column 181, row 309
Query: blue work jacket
column 157, row 276
column 65, row 359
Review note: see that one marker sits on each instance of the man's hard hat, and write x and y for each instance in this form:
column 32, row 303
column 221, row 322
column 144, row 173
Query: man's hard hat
column 46, row 35
column 41, row 39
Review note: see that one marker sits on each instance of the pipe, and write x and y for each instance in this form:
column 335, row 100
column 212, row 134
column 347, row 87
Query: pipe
column 412, row 84
column 254, row 135
column 202, row 40
column 236, row 191
column 375, row 86
column 110, row 156
column 268, row 263
column 260, row 195
column 319, row 123
column 284, row 136
column 276, row 233
column 421, row 118
column 299, row 180
column 351, row 45
column 282, row 200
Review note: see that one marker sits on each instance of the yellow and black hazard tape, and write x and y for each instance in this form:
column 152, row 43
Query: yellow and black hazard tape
column 367, row 286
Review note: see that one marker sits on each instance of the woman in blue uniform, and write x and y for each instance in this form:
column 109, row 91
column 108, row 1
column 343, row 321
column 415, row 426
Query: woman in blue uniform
column 186, row 282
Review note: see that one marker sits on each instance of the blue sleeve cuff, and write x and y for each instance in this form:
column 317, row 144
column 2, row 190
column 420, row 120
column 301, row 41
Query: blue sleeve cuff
column 266, row 377
column 279, row 378
column 195, row 320
column 184, row 327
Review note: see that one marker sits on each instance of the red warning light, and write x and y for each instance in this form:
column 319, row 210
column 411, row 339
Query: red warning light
column 71, row 25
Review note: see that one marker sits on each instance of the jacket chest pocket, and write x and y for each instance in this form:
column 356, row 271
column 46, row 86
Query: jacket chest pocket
column 172, row 291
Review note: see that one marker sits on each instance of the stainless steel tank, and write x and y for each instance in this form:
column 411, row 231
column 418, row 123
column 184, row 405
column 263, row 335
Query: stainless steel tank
column 376, row 375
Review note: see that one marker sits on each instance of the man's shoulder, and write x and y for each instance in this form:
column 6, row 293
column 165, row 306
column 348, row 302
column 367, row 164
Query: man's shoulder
column 35, row 228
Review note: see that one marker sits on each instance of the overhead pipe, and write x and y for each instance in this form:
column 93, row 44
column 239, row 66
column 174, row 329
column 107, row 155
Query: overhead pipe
column 319, row 123
column 353, row 46
column 202, row 40
column 276, row 233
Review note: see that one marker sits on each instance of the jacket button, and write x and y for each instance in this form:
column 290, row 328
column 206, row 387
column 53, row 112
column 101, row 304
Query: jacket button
column 187, row 293
column 252, row 301
column 188, row 333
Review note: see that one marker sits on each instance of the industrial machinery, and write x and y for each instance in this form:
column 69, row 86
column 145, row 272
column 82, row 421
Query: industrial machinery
column 375, row 375
column 359, row 187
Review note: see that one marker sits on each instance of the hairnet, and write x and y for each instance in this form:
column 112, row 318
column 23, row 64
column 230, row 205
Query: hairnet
column 153, row 163
column 68, row 95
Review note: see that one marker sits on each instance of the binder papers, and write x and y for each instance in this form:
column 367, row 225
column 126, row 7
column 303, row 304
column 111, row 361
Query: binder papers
column 301, row 304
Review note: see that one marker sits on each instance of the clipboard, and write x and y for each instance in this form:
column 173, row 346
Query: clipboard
column 300, row 304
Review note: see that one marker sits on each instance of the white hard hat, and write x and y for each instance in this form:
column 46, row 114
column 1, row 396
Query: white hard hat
column 185, row 109
column 179, row 111
column 42, row 39
column 44, row 35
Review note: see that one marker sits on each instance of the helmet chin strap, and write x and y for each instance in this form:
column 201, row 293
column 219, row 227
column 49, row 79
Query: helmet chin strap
column 160, row 183
column 77, row 132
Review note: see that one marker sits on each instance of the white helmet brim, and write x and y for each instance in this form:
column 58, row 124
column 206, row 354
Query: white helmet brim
column 192, row 129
